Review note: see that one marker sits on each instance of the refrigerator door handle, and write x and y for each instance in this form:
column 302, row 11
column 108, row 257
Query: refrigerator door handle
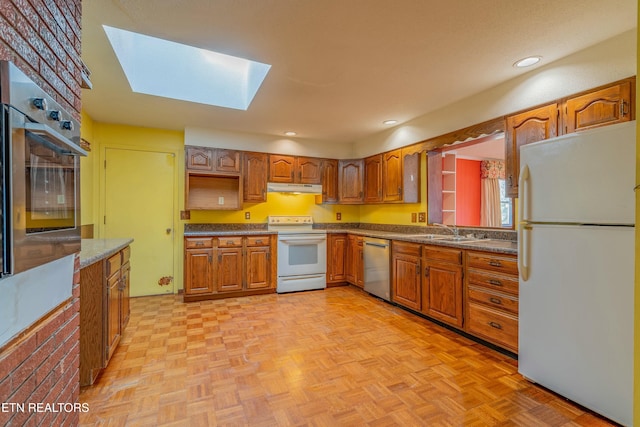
column 523, row 251
column 523, row 180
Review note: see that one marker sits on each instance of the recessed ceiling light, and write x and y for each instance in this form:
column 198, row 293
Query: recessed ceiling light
column 172, row 70
column 389, row 122
column 527, row 62
column 290, row 133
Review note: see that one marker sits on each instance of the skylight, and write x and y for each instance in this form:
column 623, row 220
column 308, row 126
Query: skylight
column 172, row 70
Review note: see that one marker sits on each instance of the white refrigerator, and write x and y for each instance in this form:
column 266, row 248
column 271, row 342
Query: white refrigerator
column 576, row 259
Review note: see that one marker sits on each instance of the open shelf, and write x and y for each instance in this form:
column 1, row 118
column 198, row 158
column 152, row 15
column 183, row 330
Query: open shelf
column 449, row 189
column 213, row 192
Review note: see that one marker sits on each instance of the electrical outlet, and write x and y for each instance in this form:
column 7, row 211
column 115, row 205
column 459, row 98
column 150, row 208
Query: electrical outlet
column 338, row 216
column 185, row 215
column 422, row 217
column 414, row 217
column 221, row 200
column 247, row 215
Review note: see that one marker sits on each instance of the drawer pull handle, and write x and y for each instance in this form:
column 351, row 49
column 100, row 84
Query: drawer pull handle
column 495, row 282
column 495, row 263
column 259, row 242
column 495, row 325
column 495, row 300
column 199, row 243
column 229, row 242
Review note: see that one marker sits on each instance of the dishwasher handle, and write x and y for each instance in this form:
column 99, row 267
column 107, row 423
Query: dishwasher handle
column 379, row 245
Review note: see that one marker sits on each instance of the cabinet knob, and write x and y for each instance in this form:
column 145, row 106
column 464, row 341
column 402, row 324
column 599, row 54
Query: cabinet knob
column 495, row 300
column 495, row 325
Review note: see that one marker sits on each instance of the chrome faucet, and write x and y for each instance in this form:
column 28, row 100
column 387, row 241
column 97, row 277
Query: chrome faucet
column 453, row 229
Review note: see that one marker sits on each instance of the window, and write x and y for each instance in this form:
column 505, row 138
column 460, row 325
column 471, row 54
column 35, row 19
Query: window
column 506, row 205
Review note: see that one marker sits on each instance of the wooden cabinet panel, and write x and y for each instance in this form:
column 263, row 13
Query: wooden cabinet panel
column 411, row 176
column 198, row 271
column 229, row 270
column 308, row 170
column 125, row 291
column 490, row 280
column 229, row 242
column 113, row 314
column 228, row 161
column 258, row 268
column 281, row 168
column 493, row 299
column 255, row 173
column 351, row 181
column 606, row 106
column 258, row 240
column 406, row 286
column 392, row 176
column 199, row 158
column 336, row 256
column 493, row 262
column 373, row 179
column 442, row 292
column 354, row 261
column 525, row 128
column 329, row 181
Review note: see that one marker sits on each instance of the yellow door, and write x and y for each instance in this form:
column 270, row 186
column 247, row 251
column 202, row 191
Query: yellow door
column 139, row 204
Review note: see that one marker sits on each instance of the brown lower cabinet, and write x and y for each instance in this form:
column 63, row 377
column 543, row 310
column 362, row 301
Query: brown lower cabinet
column 229, row 266
column 337, row 247
column 474, row 291
column 104, row 312
column 355, row 261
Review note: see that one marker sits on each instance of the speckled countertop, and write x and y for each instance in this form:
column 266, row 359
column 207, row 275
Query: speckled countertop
column 94, row 250
column 492, row 240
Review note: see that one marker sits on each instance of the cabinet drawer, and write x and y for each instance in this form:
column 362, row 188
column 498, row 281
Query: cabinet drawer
column 204, row 242
column 502, row 264
column 258, row 240
column 113, row 263
column 493, row 281
column 442, row 254
column 494, row 299
column 229, row 242
column 414, row 249
column 499, row 328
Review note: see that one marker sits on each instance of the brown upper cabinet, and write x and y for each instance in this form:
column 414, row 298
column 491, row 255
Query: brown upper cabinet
column 606, row 106
column 373, row 179
column 212, row 160
column 351, row 181
column 255, row 172
column 392, row 176
column 329, row 181
column 525, row 128
column 411, row 175
column 291, row 169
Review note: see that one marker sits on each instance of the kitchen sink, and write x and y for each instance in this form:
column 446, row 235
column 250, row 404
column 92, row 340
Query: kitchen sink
column 462, row 239
column 427, row 236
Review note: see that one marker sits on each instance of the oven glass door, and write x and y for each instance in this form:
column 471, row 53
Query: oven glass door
column 50, row 186
column 300, row 254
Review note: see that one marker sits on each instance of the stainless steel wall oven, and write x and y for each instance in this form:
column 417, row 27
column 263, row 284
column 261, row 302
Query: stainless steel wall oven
column 40, row 175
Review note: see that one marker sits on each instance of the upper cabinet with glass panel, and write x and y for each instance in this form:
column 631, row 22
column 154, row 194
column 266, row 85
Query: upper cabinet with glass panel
column 467, row 184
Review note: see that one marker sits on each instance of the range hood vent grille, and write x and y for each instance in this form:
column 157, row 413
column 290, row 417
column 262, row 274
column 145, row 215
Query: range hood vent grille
column 277, row 187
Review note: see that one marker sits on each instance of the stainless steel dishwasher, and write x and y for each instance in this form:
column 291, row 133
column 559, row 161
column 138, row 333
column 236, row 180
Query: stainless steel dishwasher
column 376, row 267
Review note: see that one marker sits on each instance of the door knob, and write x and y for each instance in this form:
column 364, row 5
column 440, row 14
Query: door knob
column 168, row 231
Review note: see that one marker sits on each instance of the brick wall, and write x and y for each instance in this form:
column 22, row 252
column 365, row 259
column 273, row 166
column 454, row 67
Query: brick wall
column 42, row 37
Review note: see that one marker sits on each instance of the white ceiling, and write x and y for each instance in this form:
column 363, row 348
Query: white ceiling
column 340, row 67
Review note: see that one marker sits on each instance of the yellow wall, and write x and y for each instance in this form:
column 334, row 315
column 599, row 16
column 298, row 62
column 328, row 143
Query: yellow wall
column 86, row 173
column 636, row 370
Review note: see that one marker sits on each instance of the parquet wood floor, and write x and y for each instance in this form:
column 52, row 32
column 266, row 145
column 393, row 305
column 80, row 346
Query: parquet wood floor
column 337, row 357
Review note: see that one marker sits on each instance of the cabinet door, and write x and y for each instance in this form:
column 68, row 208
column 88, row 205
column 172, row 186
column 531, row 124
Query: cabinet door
column 350, row 259
column 405, row 287
column 411, row 176
column 198, row 271
column 329, row 181
column 336, row 254
column 113, row 314
column 228, row 161
column 199, row 158
column 606, row 106
column 255, row 174
column 522, row 129
column 308, row 170
column 442, row 292
column 281, row 168
column 373, row 179
column 258, row 264
column 350, row 181
column 229, row 270
column 125, row 286
column 392, row 176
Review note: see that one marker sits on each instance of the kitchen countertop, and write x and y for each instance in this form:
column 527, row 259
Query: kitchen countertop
column 94, row 250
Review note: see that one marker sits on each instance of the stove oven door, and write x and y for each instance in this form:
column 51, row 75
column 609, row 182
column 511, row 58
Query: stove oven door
column 302, row 262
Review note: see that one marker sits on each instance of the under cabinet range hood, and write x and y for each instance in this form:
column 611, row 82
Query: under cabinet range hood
column 278, row 187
